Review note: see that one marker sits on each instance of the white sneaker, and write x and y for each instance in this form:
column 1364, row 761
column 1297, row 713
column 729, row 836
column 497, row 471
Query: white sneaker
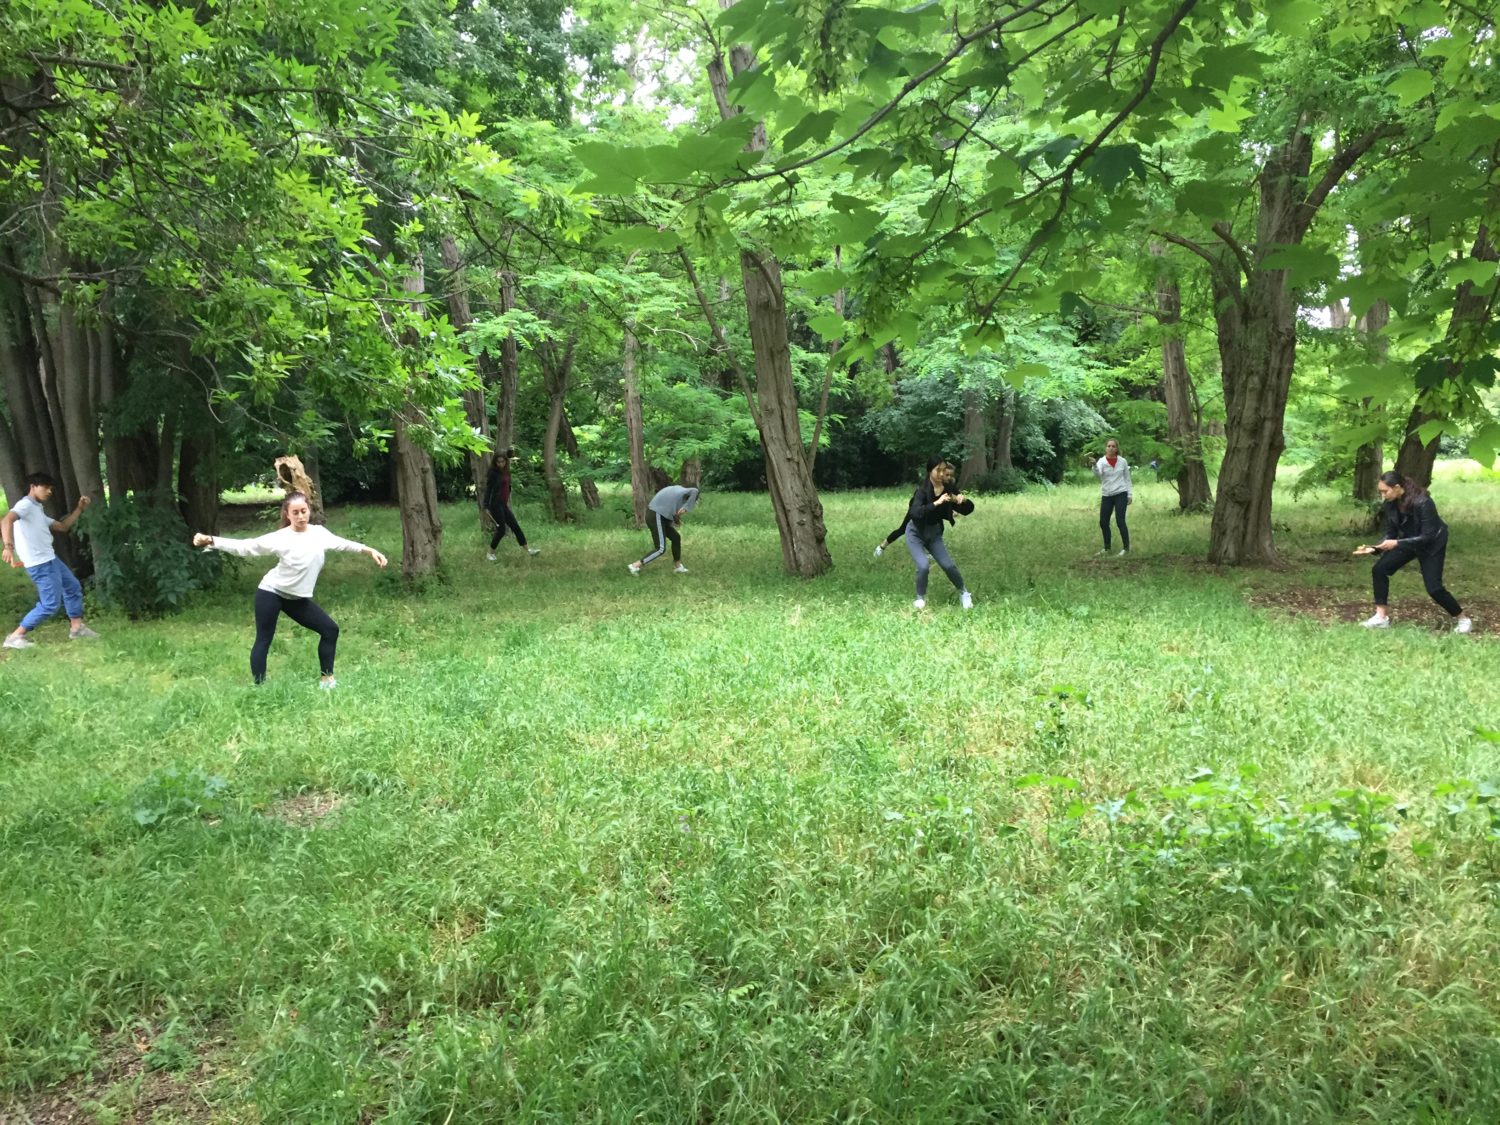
column 1464, row 625
column 634, row 568
column 328, row 684
column 1377, row 622
column 879, row 551
column 920, row 603
column 490, row 557
column 679, row 569
column 533, row 550
column 1122, row 554
column 966, row 600
column 1101, row 551
column 18, row 640
column 82, row 633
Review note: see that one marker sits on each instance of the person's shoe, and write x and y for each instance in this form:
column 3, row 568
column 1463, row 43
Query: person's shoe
column 1377, row 622
column 679, row 569
column 1123, row 553
column 329, row 684
column 18, row 640
column 533, row 550
column 920, row 603
column 966, row 600
column 635, row 569
column 1101, row 551
column 880, row 550
column 82, row 633
column 1464, row 625
column 490, row 557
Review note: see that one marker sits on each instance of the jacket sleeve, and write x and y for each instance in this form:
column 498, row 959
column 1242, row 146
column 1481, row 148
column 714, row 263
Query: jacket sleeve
column 1429, row 526
column 965, row 508
column 1392, row 521
column 1098, row 471
column 245, row 548
column 922, row 509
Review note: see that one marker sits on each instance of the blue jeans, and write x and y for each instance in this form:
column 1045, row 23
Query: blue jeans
column 932, row 544
column 55, row 585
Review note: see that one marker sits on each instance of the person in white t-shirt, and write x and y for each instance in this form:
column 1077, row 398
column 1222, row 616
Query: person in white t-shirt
column 27, row 530
column 299, row 546
column 1115, row 492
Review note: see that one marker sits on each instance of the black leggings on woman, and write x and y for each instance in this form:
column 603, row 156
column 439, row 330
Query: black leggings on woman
column 1115, row 504
column 305, row 612
column 663, row 531
column 1432, row 575
column 504, row 517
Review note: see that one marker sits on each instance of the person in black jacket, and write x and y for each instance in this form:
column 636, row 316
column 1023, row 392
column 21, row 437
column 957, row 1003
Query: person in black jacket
column 496, row 502
column 1413, row 530
column 931, row 505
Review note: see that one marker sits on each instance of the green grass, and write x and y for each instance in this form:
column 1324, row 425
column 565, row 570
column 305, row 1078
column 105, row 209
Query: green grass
column 733, row 846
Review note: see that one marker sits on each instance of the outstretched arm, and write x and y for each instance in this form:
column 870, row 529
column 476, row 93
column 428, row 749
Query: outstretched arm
column 244, row 548
column 65, row 525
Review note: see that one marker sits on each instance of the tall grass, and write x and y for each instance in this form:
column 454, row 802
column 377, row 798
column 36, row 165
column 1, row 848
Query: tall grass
column 1114, row 845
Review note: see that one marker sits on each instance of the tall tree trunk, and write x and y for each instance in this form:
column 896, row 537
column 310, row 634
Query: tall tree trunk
column 1471, row 311
column 416, row 483
column 976, row 452
column 635, row 428
column 166, row 455
column 556, row 371
column 1367, row 458
column 198, row 477
column 20, row 368
column 1177, row 389
column 12, row 475
column 1005, row 426
column 510, row 371
column 1256, row 314
column 45, row 312
column 460, row 316
column 799, row 513
column 586, row 486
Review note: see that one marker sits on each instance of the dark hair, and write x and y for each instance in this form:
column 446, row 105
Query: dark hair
column 287, row 503
column 501, row 455
column 34, row 479
column 934, row 462
column 1411, row 491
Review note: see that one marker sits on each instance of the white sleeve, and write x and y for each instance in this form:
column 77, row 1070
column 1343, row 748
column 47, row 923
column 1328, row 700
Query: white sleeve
column 1098, row 472
column 246, row 548
column 1129, row 485
column 332, row 542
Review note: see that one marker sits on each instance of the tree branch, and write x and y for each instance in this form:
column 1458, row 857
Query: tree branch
column 1226, row 236
column 1337, row 168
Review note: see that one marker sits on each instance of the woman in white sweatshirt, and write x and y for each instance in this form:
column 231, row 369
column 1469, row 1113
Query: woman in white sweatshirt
column 299, row 547
column 1115, row 491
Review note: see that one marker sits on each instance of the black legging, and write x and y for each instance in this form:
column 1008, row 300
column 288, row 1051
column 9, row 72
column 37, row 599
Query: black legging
column 662, row 533
column 1431, row 563
column 504, row 517
column 1116, row 504
column 305, row 612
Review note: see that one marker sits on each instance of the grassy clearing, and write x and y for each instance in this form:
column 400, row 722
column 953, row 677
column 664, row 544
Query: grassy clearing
column 570, row 845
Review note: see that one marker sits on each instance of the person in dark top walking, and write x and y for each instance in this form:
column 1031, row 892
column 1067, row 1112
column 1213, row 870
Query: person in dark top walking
column 497, row 503
column 664, row 516
column 933, row 504
column 1413, row 530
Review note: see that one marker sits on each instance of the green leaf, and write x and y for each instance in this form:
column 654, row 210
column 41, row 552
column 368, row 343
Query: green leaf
column 641, row 238
column 1112, row 165
column 1305, row 265
column 1473, row 270
column 822, row 283
column 1412, row 85
column 1294, row 18
column 829, row 325
column 813, row 127
column 1018, row 374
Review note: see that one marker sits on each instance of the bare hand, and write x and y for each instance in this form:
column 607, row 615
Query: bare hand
column 1386, row 545
column 1129, row 500
column 201, row 540
column 83, row 502
column 1362, row 550
column 9, row 557
column 380, row 560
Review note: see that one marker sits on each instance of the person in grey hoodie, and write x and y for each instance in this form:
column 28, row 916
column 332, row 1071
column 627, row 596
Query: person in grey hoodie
column 1115, row 492
column 664, row 516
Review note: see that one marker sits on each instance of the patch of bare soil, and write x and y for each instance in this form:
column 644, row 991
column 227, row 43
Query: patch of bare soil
column 305, row 810
column 1324, row 605
column 127, row 1086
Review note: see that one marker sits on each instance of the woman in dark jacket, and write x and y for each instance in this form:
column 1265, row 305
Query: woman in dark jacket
column 496, row 502
column 1413, row 530
column 931, row 506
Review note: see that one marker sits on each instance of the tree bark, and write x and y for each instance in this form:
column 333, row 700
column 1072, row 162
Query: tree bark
column 12, row 476
column 198, row 478
column 556, row 371
column 794, row 496
column 460, row 316
column 510, row 371
column 635, row 428
column 1471, row 310
column 976, row 453
column 1367, row 458
column 586, row 486
column 416, row 483
column 1177, row 390
column 1005, row 426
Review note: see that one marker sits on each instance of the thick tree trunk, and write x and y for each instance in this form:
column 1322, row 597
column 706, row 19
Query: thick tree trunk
column 1005, row 426
column 976, row 462
column 460, row 316
column 510, row 371
column 12, row 475
column 1177, row 390
column 794, row 496
column 1367, row 458
column 586, row 486
column 166, row 455
column 21, row 372
column 635, row 428
column 556, row 371
column 1471, row 311
column 198, row 478
column 416, row 483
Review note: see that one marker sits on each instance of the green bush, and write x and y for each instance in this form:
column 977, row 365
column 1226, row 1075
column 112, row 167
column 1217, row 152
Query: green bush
column 1001, row 480
column 144, row 561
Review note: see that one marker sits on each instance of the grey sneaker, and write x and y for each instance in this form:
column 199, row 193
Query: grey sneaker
column 679, row 569
column 533, row 550
column 1377, row 622
column 18, row 640
column 966, row 600
column 82, row 633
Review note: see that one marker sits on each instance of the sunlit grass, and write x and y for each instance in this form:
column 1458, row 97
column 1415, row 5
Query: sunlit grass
column 732, row 845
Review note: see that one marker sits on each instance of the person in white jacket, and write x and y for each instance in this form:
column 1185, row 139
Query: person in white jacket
column 1115, row 492
column 299, row 547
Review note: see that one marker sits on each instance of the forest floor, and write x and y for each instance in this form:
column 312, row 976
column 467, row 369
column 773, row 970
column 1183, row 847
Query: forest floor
column 1134, row 839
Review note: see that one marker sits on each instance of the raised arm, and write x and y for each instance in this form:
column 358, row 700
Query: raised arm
column 65, row 525
column 332, row 542
column 244, row 548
